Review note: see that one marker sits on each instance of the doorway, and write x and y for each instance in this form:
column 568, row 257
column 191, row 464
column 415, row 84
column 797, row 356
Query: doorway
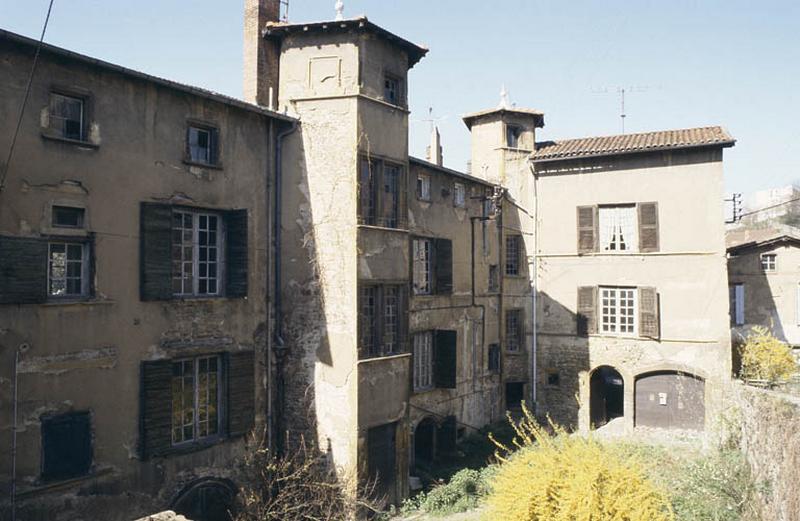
column 607, row 396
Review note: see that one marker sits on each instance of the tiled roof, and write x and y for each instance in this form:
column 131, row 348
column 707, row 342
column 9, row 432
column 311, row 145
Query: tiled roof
column 744, row 238
column 632, row 143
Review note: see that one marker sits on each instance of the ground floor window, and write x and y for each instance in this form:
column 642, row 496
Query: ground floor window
column 195, row 399
column 66, row 446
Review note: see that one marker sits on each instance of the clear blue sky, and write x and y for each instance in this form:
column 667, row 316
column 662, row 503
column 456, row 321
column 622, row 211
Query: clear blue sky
column 734, row 63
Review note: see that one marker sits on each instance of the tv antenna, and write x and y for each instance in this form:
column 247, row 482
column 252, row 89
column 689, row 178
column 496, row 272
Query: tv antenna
column 432, row 120
column 621, row 91
column 284, row 5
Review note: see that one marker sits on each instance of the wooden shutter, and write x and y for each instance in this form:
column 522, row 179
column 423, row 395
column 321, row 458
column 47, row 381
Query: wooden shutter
column 648, row 227
column 649, row 323
column 240, row 370
column 445, row 359
column 443, row 265
column 213, row 146
column 155, row 252
column 587, row 229
column 23, row 270
column 587, row 310
column 236, row 254
column 155, row 408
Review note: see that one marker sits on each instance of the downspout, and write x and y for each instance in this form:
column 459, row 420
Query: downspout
column 15, row 398
column 474, row 302
column 534, row 291
column 279, row 345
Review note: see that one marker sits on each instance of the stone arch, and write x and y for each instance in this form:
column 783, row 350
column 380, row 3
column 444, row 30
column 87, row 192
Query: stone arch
column 670, row 399
column 206, row 499
column 606, row 395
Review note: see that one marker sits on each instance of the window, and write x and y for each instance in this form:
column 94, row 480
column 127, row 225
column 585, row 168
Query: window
column 618, row 228
column 553, row 379
column 769, row 261
column 513, row 250
column 391, row 89
column 514, row 394
column 423, row 361
column 423, row 187
column 494, row 358
column 459, row 195
column 494, row 279
column 737, row 304
column 196, row 247
column 68, row 217
column 381, row 324
column 423, row 266
column 66, row 446
column 432, row 266
column 618, row 310
column 67, row 116
column 201, row 145
column 513, row 133
column 195, row 399
column 514, row 329
column 67, row 269
column 380, row 207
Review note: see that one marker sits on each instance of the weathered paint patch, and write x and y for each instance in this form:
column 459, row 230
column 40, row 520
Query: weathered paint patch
column 103, row 358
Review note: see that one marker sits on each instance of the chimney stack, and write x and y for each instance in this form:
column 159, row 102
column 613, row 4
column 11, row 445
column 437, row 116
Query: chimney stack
column 261, row 57
column 435, row 148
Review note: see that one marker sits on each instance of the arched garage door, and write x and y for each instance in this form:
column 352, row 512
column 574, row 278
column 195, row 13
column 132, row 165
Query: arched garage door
column 670, row 400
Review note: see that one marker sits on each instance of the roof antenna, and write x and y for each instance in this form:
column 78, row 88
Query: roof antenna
column 339, row 10
column 504, row 101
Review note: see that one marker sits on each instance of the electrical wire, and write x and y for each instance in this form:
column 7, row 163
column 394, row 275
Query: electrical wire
column 7, row 165
column 769, row 207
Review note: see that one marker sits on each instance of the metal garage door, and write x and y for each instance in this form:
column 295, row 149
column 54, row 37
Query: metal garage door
column 670, row 400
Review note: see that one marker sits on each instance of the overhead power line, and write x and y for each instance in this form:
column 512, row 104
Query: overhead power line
column 7, row 164
column 751, row 212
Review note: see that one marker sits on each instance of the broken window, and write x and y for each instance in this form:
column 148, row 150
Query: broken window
column 423, row 266
column 494, row 358
column 67, row 115
column 513, row 134
column 195, row 399
column 618, row 228
column 769, row 262
column 201, row 145
column 391, row 89
column 618, row 310
column 423, row 187
column 513, row 254
column 380, row 207
column 514, row 329
column 381, row 319
column 423, row 361
column 494, row 278
column 68, row 217
column 196, row 247
column 67, row 269
column 459, row 195
column 432, row 266
column 66, row 446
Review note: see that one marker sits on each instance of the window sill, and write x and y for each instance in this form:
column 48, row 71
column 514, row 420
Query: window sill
column 77, row 142
column 190, row 447
column 518, row 352
column 78, row 301
column 383, row 228
column 209, row 166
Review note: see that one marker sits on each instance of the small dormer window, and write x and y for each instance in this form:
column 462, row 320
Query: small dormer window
column 67, row 116
column 513, row 134
column 391, row 89
column 201, row 145
column 769, row 262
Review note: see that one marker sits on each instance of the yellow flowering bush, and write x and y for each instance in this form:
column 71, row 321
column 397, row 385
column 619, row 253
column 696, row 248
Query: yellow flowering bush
column 766, row 358
column 556, row 477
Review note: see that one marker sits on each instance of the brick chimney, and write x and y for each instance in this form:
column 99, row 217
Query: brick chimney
column 261, row 57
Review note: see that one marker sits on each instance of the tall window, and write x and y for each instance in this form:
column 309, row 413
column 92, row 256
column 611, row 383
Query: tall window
column 423, row 266
column 769, row 261
column 514, row 329
column 390, row 211
column 423, row 361
column 493, row 361
column 737, row 304
column 618, row 228
column 494, row 279
column 379, row 198
column 423, row 187
column 381, row 320
column 67, row 269
column 196, row 247
column 513, row 253
column 202, row 145
column 67, row 116
column 195, row 399
column 459, row 195
column 513, row 133
column 618, row 310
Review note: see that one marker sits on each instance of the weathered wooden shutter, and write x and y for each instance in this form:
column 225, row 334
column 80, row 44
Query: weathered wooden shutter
column 445, row 359
column 23, row 270
column 648, row 227
column 649, row 323
column 587, row 229
column 155, row 408
column 587, row 310
column 155, row 252
column 443, row 265
column 236, row 254
column 240, row 369
column 213, row 144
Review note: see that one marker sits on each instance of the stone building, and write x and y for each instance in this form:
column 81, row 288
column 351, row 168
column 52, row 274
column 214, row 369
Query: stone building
column 135, row 232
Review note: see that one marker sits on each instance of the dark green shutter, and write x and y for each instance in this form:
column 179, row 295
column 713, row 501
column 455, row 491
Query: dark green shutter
column 443, row 265
column 240, row 370
column 155, row 408
column 236, row 253
column 587, row 310
column 155, row 252
column 23, row 270
column 445, row 359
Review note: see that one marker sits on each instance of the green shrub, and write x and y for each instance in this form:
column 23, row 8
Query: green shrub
column 463, row 492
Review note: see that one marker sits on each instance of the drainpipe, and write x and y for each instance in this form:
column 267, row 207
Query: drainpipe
column 474, row 302
column 18, row 351
column 276, row 416
column 534, row 291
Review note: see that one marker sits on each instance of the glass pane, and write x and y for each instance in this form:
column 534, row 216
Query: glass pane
column 74, row 252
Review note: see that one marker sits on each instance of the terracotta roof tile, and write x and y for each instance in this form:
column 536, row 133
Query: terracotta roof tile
column 632, row 143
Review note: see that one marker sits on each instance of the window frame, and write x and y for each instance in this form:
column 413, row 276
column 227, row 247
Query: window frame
column 377, row 177
column 220, row 246
column 60, row 133
column 632, row 243
column 424, row 179
column 512, row 268
column 86, row 267
column 459, row 188
column 426, row 266
column 214, row 149
column 517, row 333
column 493, row 282
column 399, row 100
column 378, row 320
column 221, row 383
column 81, row 211
column 419, row 361
column 517, row 135
column 617, row 308
column 736, row 292
column 494, row 358
column 769, row 262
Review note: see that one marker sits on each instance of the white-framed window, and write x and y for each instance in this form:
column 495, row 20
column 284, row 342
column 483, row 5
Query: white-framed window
column 423, row 361
column 737, row 303
column 195, row 399
column 423, row 187
column 67, row 269
column 618, row 228
column 197, row 247
column 201, row 144
column 67, row 115
column 769, row 262
column 423, row 266
column 459, row 195
column 618, row 310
